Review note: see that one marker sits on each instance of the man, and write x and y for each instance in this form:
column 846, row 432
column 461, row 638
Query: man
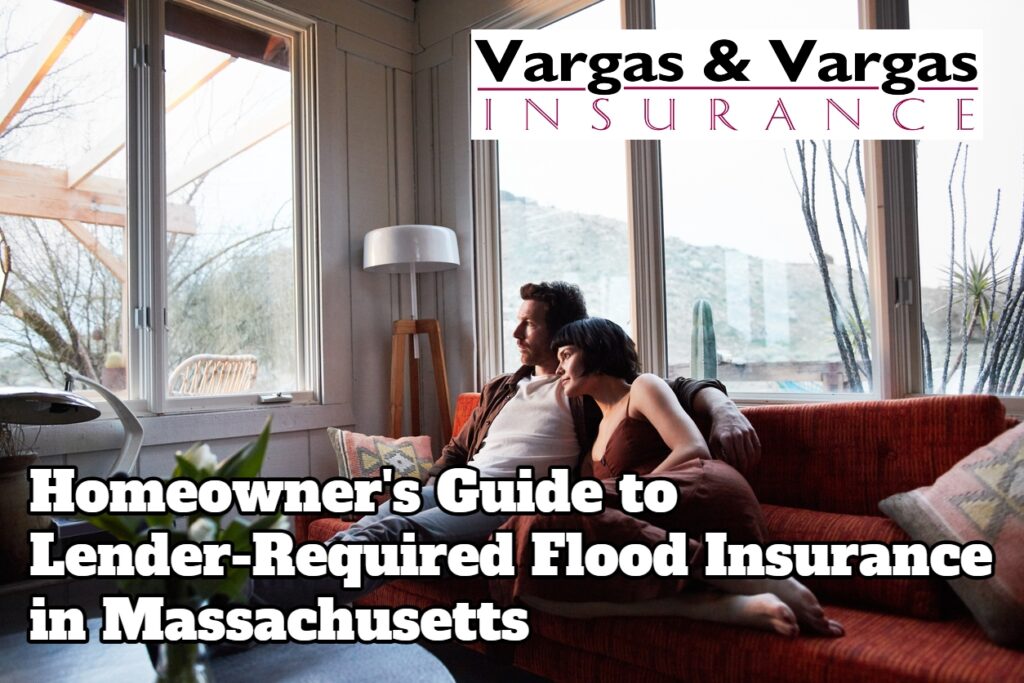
column 523, row 419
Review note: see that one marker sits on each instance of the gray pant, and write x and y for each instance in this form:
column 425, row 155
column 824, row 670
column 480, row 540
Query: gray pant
column 431, row 524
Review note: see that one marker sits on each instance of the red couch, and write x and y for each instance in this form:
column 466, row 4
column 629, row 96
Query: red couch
column 822, row 472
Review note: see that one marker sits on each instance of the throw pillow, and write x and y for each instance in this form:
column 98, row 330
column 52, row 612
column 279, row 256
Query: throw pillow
column 362, row 456
column 980, row 499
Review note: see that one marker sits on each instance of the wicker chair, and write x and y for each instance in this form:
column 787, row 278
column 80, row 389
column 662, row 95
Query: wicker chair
column 206, row 374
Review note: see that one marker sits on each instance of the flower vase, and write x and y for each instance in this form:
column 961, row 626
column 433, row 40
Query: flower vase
column 183, row 663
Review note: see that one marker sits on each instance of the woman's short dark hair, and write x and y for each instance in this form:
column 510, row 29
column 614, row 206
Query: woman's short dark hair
column 565, row 302
column 605, row 346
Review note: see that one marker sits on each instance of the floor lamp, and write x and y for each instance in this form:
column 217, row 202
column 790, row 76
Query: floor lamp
column 414, row 249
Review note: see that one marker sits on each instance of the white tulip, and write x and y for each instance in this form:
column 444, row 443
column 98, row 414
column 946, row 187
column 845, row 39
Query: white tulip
column 201, row 457
column 202, row 530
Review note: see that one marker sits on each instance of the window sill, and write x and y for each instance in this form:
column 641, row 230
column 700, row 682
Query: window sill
column 752, row 399
column 106, row 434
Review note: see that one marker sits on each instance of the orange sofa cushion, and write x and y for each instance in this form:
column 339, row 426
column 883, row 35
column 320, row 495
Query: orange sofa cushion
column 855, row 454
column 464, row 407
column 922, row 597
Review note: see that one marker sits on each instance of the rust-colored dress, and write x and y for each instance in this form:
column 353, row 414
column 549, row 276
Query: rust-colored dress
column 712, row 497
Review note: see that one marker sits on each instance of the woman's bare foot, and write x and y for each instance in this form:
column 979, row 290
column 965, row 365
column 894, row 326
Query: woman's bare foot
column 768, row 613
column 807, row 608
column 798, row 597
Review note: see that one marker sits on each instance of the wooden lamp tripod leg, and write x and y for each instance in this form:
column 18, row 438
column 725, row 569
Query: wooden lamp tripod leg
column 433, row 330
column 398, row 343
column 401, row 332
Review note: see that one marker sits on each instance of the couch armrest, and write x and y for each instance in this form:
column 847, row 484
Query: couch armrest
column 301, row 526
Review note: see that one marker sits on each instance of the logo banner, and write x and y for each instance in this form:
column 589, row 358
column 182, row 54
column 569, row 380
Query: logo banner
column 726, row 84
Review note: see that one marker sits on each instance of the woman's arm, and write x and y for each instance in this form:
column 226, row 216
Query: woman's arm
column 651, row 398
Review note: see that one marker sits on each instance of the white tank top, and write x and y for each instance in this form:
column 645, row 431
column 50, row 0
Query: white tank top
column 535, row 428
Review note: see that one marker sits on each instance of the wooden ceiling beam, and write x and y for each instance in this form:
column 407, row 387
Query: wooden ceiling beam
column 188, row 81
column 42, row 192
column 105, row 256
column 52, row 43
column 255, row 130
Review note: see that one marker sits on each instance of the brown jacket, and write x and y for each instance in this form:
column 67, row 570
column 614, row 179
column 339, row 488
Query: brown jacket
column 585, row 415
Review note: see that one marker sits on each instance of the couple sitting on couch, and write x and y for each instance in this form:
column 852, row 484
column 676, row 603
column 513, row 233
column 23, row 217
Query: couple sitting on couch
column 580, row 400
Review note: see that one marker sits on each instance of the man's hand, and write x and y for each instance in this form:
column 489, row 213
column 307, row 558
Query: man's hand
column 733, row 438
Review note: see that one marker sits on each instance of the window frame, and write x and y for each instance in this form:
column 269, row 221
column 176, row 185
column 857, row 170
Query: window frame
column 894, row 267
column 329, row 370
column 147, row 244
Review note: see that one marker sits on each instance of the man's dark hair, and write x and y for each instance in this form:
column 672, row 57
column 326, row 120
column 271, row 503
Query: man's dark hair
column 605, row 346
column 565, row 302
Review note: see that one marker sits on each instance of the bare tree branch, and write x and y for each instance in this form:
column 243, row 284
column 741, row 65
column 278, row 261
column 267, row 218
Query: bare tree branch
column 952, row 265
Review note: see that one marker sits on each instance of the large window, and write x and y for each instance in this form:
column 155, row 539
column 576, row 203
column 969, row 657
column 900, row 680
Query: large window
column 765, row 243
column 970, row 199
column 173, row 303
column 231, row 284
column 776, row 240
column 563, row 214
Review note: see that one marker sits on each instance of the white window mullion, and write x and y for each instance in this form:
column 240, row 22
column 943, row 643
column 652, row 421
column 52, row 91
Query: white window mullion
column 637, row 14
column 145, row 20
column 896, row 282
column 137, row 281
column 647, row 254
column 157, row 228
column 307, row 233
column 487, row 255
column 647, row 240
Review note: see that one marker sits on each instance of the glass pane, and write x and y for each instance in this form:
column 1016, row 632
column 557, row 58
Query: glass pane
column 784, row 279
column 62, row 194
column 231, row 284
column 969, row 221
column 563, row 214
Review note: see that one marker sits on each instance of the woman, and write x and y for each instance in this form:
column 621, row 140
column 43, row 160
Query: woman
column 644, row 430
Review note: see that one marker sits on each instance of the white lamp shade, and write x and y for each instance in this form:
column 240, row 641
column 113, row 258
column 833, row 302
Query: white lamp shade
column 394, row 248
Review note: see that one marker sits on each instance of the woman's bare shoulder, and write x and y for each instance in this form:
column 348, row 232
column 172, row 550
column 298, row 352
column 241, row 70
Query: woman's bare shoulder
column 648, row 382
column 650, row 389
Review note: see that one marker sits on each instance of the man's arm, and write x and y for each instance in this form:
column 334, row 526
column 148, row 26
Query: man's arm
column 732, row 437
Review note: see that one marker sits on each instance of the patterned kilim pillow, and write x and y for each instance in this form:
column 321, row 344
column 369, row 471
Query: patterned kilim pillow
column 980, row 499
column 362, row 456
